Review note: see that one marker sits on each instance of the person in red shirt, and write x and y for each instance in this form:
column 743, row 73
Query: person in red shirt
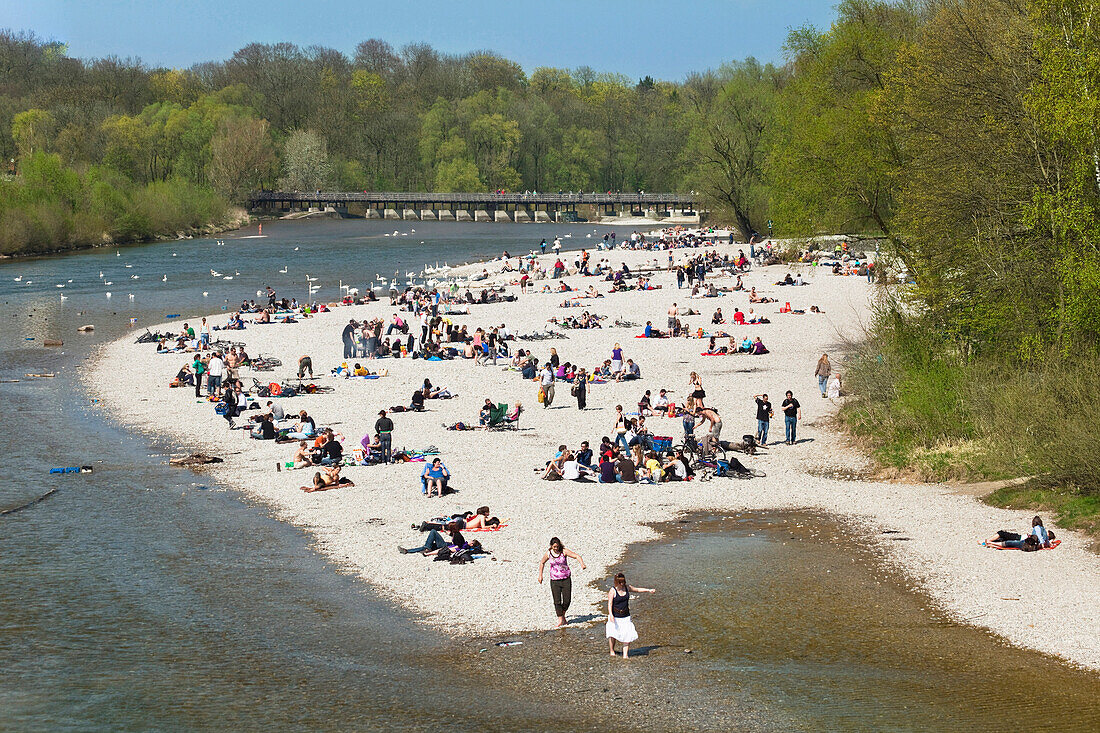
column 738, row 317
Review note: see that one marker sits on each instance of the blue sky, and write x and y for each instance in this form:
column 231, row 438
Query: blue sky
column 663, row 39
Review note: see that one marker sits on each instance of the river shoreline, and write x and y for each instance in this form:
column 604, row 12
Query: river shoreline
column 239, row 219
column 597, row 520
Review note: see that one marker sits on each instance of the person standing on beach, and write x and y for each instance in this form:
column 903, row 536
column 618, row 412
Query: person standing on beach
column 673, row 313
column 763, row 418
column 620, row 627
column 561, row 577
column 204, row 335
column 546, row 385
column 384, row 427
column 792, row 413
column 580, row 389
column 824, row 369
column 199, row 368
column 349, row 339
column 215, row 371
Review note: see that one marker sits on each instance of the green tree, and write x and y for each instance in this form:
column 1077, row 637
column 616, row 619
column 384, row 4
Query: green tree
column 458, row 175
column 729, row 141
column 33, row 130
column 242, row 157
column 835, row 157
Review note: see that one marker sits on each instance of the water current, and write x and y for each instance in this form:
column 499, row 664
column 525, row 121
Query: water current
column 142, row 597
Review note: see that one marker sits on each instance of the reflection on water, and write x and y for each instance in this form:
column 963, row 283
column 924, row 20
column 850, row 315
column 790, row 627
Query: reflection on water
column 142, row 597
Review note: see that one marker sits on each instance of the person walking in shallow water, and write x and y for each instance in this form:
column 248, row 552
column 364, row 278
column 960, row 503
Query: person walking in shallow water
column 561, row 577
column 619, row 625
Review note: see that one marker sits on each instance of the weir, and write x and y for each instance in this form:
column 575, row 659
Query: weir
column 500, row 207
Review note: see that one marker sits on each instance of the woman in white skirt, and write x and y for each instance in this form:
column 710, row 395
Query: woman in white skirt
column 619, row 626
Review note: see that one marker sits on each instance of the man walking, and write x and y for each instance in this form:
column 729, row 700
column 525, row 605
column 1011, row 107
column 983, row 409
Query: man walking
column 792, row 413
column 763, row 418
column 384, row 427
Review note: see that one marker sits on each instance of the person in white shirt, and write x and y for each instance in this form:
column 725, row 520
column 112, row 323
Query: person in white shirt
column 573, row 471
column 215, row 370
column 546, row 384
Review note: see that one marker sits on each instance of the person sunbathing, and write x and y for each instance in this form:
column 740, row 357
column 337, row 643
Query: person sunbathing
column 1037, row 538
column 436, row 542
column 327, row 478
column 360, row 371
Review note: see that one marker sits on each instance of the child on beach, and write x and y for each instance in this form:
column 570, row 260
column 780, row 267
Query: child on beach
column 620, row 627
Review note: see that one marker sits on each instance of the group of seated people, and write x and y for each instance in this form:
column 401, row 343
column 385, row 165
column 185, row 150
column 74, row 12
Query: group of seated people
column 739, row 318
column 746, row 345
column 614, row 464
column 648, row 406
column 789, row 280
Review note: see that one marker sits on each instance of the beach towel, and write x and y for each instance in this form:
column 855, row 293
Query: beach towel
column 1052, row 545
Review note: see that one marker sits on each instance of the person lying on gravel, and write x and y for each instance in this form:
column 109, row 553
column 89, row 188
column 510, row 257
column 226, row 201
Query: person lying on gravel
column 1036, row 539
column 327, row 478
column 466, row 520
column 436, row 543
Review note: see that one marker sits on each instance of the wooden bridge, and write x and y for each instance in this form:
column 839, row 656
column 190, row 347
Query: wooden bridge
column 517, row 207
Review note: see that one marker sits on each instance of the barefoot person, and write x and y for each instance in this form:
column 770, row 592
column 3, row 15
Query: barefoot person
column 619, row 626
column 561, row 577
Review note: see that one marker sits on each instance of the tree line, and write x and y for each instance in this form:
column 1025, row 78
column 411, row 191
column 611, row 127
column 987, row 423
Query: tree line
column 964, row 132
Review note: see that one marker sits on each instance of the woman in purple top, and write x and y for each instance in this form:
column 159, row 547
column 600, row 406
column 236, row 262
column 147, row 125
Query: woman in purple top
column 561, row 578
column 616, row 359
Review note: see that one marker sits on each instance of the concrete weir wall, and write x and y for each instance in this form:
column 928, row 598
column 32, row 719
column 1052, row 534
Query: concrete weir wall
column 501, row 216
column 391, row 214
column 482, row 215
column 446, row 215
column 522, row 216
column 463, row 215
column 427, row 215
column 409, row 214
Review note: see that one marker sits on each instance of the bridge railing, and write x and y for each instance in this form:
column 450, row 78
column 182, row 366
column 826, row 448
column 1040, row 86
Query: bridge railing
column 685, row 200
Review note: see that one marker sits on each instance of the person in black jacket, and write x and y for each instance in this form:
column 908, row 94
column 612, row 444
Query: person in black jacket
column 384, row 427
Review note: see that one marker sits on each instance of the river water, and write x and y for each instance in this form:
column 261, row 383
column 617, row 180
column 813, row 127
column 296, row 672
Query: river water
column 140, row 596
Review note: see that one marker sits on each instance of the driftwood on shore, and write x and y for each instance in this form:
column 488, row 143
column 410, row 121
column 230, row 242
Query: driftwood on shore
column 195, row 459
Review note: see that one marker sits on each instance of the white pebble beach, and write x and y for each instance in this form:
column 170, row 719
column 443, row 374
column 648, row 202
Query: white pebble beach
column 360, row 527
